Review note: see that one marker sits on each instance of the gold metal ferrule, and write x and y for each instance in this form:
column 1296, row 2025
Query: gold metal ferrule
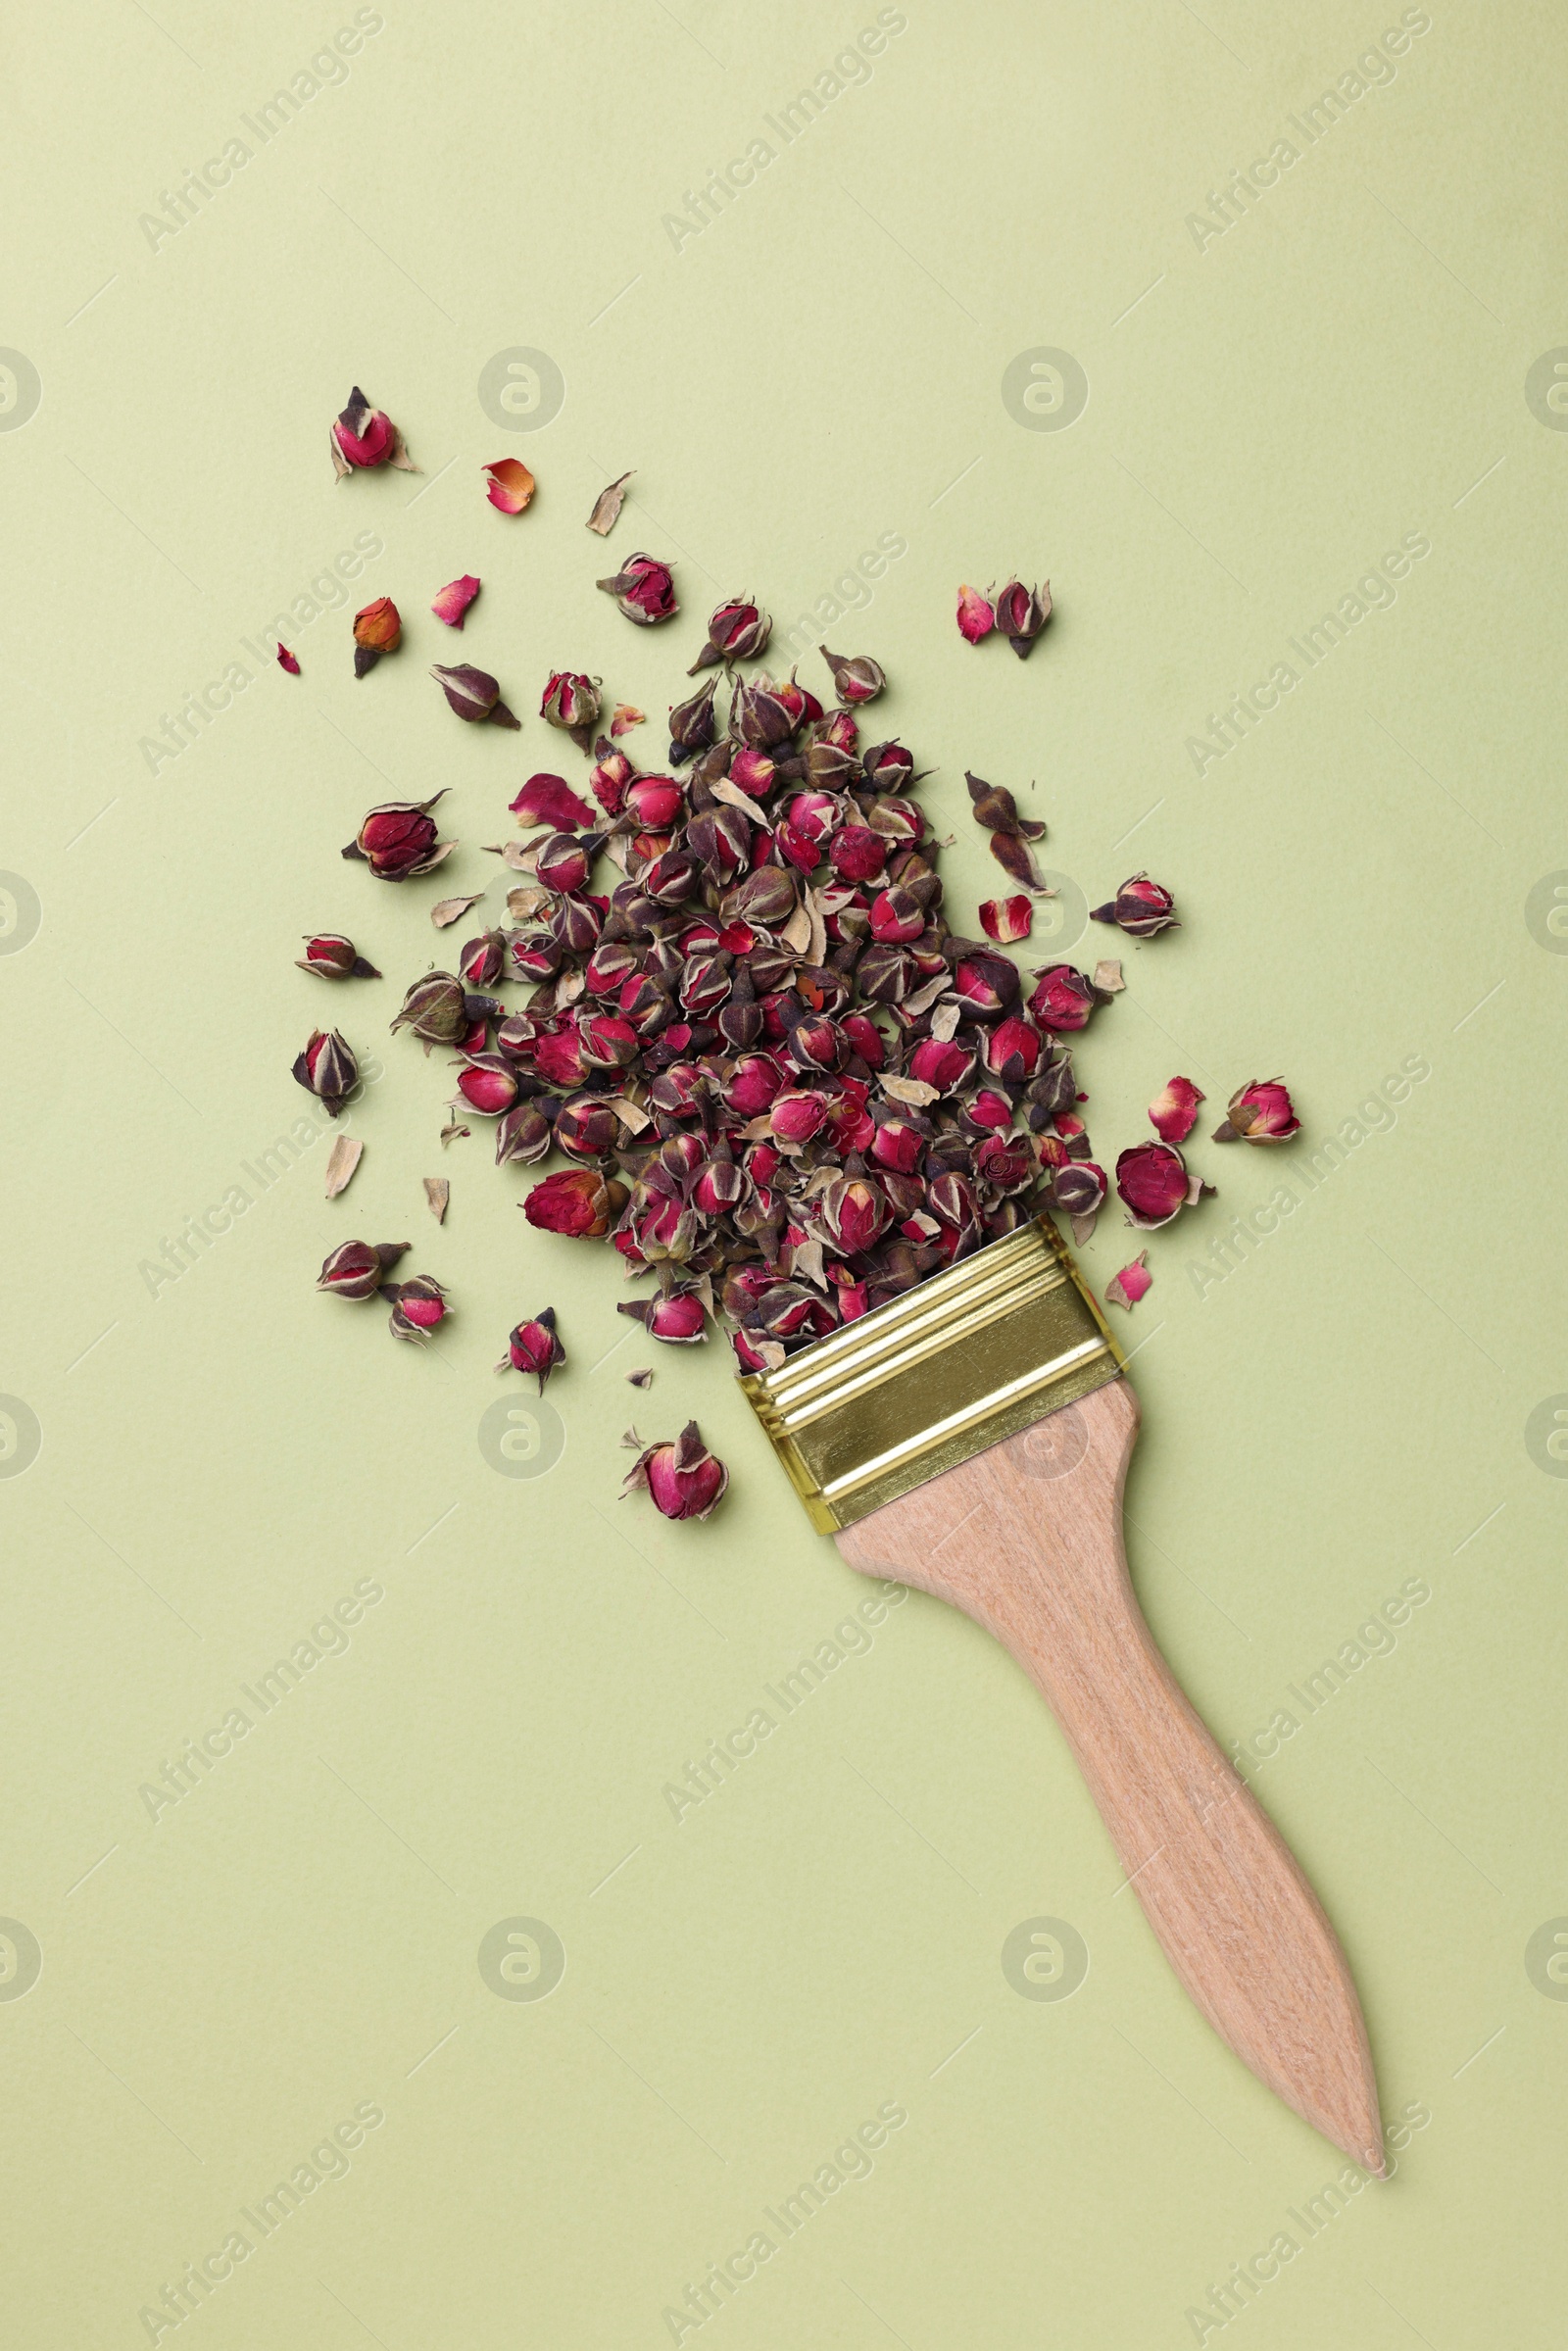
column 975, row 1354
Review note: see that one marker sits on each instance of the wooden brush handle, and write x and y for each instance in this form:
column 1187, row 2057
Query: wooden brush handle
column 1026, row 1537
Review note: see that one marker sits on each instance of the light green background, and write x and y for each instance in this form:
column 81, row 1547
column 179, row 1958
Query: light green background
column 221, row 1462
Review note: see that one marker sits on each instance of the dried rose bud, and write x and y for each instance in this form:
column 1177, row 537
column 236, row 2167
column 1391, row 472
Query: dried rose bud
column 613, row 771
column 363, row 437
column 473, row 693
column 1004, row 1161
column 435, row 1008
column 327, row 1069
column 897, row 821
column 1012, row 1050
column 692, row 727
column 1078, row 1192
column 859, row 854
column 643, row 589
column 684, row 1479
column 509, row 485
column 398, row 840
column 357, row 1268
column 856, row 679
column 563, row 861
column 796, row 1115
column 679, row 1318
column 1063, row 999
column 482, row 961
column 944, row 1066
column 1261, row 1112
column 578, row 1201
column 736, row 632
column 976, row 619
column 761, row 715
column 888, row 768
column 1141, row 907
column 1154, row 1184
column 852, row 1213
column 830, row 767
column 1126, row 1288
column 488, row 1085
column 996, row 809
column 897, row 917
column 418, row 1306
column 1021, row 613
column 986, row 985
column 533, row 1347
column 331, row 956
column 571, row 702
column 377, row 629
column 524, row 1137
column 1174, row 1110
column 534, row 956
column 454, row 599
column 1006, row 920
column 654, row 800
column 549, row 800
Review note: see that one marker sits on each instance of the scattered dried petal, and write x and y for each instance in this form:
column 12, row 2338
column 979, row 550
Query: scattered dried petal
column 976, row 619
column 1259, row 1112
column 437, row 1196
column 286, row 661
column 1126, row 1288
column 1006, row 920
column 341, row 1161
column 508, row 485
column 608, row 506
column 1107, row 977
column 640, row 1379
column 449, row 909
column 625, row 717
column 549, row 800
column 1174, row 1110
column 454, row 599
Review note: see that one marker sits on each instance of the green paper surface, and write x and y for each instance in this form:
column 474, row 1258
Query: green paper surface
column 984, row 305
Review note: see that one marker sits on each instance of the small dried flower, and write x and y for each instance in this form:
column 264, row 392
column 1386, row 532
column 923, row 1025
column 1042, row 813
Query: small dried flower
column 578, row 1202
column 1140, row 907
column 1021, row 613
column 331, row 956
column 488, row 1085
column 377, row 629
column 475, row 695
column 1006, row 920
column 1174, row 1110
column 418, row 1306
column 1261, row 1112
column 856, row 679
column 356, row 1269
column 533, row 1347
column 736, row 632
column 571, row 702
column 608, row 506
column 679, row 1317
column 1126, row 1288
column 398, row 840
column 1063, row 999
column 996, row 809
column 435, row 1008
column 693, row 725
column 363, row 437
column 452, row 603
column 644, row 590
column 976, row 619
column 549, row 800
column 508, row 484
column 684, row 1480
column 1078, row 1191
column 1155, row 1184
column 286, row 661
column 327, row 1069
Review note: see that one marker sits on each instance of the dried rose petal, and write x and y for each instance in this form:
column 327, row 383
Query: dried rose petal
column 1154, row 1184
column 976, row 619
column 377, row 629
column 454, row 599
column 549, row 800
column 625, row 717
column 286, row 661
column 356, row 1269
column 508, row 484
column 341, row 1161
column 331, row 956
column 644, row 590
column 1126, row 1288
column 608, row 506
column 1174, row 1110
column 437, row 1196
column 1006, row 920
column 1021, row 613
column 418, row 1306
column 534, row 1346
column 363, row 437
column 1107, row 977
column 449, row 909
column 1261, row 1112
column 1140, row 907
column 684, row 1480
column 327, row 1069
column 856, row 679
column 398, row 840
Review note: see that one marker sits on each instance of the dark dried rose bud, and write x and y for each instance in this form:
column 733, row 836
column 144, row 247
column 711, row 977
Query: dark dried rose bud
column 767, row 896
column 533, row 1347
column 331, row 956
column 986, row 985
column 1063, row 999
column 435, row 1008
column 570, row 701
column 473, row 693
column 704, row 983
column 612, row 962
column 693, row 725
column 586, row 1128
column 1078, row 1188
column 679, row 1318
column 899, row 821
column 363, row 437
column 996, row 809
column 684, row 1480
column 830, row 767
column 736, row 632
column 358, row 1268
column 524, row 1137
column 534, row 954
column 327, row 1069
column 1021, row 614
column 578, row 1201
column 1141, row 907
column 646, row 1006
column 854, row 680
column 483, row 960
column 888, row 768
column 1259, row 1112
column 721, row 839
column 643, row 589
column 398, row 840
column 1056, row 1089
column 418, row 1306
column 377, row 629
column 761, row 715
column 952, row 1200
column 815, row 1044
column 897, row 917
column 1154, row 1184
column 611, row 773
column 885, row 972
column 852, row 1213
column 575, row 922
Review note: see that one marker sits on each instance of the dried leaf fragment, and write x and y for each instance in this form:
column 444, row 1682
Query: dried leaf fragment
column 608, row 506
column 342, row 1159
column 450, row 910
column 437, row 1195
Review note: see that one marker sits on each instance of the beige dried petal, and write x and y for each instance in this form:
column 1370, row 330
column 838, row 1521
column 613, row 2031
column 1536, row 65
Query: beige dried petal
column 1083, row 1227
column 1107, row 977
column 453, row 1129
column 437, row 1192
column 734, row 798
column 527, row 900
column 773, row 1354
column 448, row 909
column 924, row 997
column 797, row 932
column 816, row 949
column 518, row 856
column 913, row 1090
column 805, row 1264
column 608, row 506
column 945, row 1020
column 631, row 1114
column 568, row 987
column 342, row 1159
column 758, row 1130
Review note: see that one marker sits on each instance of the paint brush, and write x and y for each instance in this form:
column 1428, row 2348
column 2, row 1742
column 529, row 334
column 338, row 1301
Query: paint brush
column 971, row 1437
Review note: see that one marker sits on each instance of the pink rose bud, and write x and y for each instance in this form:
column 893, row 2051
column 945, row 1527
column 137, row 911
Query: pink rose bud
column 358, row 1268
column 586, row 1127
column 816, row 1046
column 533, row 1347
column 534, row 956
column 549, row 800
column 944, row 1066
column 736, row 632
column 840, row 729
column 854, row 680
column 1012, row 1050
column 489, row 1085
column 692, row 727
column 852, row 1213
column 976, row 619
column 986, row 984
column 1063, row 999
column 796, row 1115
column 1126, row 1288
column 563, row 862
column 857, row 852
column 1021, row 614
column 331, row 956
column 613, row 771
column 752, row 1084
column 864, row 1038
column 900, row 1144
column 363, row 437
column 684, row 1479
column 398, row 840
column 559, row 1057
column 327, row 1069
column 606, row 1041
column 721, row 1185
column 571, row 702
column 418, row 1306
column 475, row 695
column 888, row 768
column 577, row 1202
column 482, row 961
column 655, row 801
column 1006, row 920
column 1141, row 907
column 1154, row 1184
column 1174, row 1110
column 1261, row 1112
column 990, row 1110
column 643, row 589
column 897, row 917
column 679, row 1318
